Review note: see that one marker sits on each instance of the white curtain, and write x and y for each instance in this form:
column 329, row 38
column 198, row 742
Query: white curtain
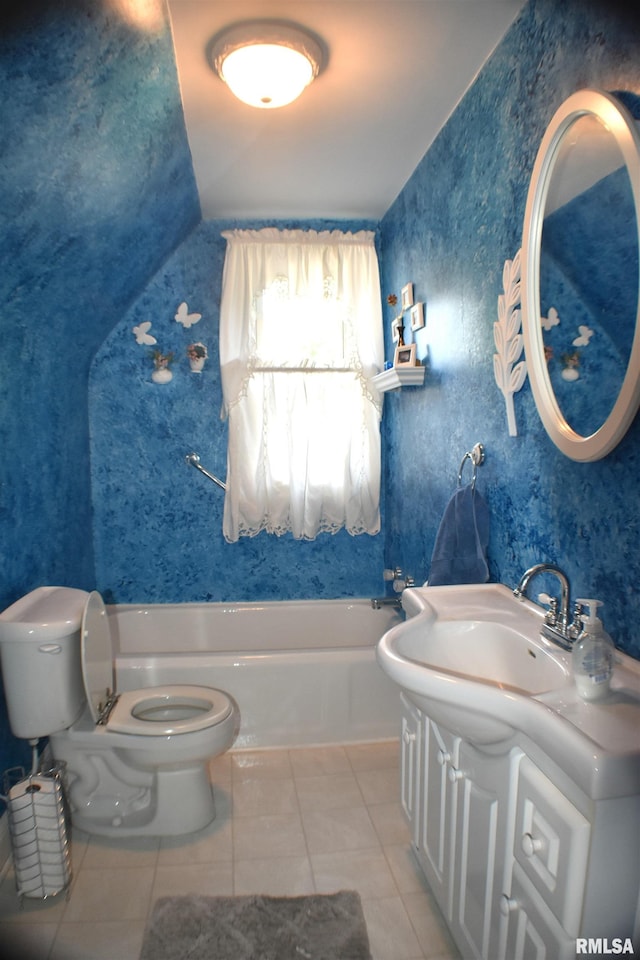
column 300, row 339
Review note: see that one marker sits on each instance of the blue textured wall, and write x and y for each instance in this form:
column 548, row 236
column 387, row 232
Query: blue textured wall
column 450, row 231
column 158, row 522
column 96, row 189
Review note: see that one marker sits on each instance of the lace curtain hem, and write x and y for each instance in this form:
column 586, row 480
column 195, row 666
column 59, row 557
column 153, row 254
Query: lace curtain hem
column 281, row 530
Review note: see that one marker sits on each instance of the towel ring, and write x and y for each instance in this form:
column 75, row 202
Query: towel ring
column 477, row 458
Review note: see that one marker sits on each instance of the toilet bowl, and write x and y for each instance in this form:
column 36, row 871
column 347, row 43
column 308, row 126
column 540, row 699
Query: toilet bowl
column 136, row 762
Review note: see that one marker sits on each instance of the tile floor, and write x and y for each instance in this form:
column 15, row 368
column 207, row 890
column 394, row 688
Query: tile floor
column 289, row 822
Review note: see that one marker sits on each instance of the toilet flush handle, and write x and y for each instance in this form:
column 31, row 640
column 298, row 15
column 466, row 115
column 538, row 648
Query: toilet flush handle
column 50, row 648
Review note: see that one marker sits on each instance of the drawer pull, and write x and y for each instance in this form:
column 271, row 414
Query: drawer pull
column 531, row 845
column 443, row 757
column 408, row 737
column 507, row 905
column 455, row 775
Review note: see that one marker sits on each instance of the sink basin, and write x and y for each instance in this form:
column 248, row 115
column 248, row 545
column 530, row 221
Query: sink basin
column 486, row 651
column 472, row 659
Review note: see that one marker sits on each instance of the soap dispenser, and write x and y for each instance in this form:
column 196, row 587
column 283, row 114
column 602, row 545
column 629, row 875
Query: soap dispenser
column 592, row 656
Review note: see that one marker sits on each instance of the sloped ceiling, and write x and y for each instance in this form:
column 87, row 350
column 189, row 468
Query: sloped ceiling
column 395, row 71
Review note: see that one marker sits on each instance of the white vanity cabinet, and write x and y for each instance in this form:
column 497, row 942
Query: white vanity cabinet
column 520, row 860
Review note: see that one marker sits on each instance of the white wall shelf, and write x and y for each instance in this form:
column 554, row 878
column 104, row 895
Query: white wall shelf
column 397, row 377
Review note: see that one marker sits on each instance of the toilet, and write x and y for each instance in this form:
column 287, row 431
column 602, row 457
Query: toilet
column 136, row 762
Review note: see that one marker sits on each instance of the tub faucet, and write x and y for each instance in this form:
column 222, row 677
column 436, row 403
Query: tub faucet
column 556, row 626
column 379, row 602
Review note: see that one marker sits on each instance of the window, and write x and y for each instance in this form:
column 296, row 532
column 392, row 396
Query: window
column 300, row 339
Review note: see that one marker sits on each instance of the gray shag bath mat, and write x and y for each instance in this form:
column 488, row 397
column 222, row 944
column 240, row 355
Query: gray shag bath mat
column 319, row 927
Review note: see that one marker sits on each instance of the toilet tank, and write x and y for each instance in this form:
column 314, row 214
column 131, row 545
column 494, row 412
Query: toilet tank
column 40, row 660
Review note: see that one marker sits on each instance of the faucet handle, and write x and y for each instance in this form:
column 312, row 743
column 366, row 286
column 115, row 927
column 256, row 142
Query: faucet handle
column 551, row 616
column 575, row 629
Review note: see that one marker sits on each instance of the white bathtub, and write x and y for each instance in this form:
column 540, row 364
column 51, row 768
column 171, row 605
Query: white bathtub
column 302, row 672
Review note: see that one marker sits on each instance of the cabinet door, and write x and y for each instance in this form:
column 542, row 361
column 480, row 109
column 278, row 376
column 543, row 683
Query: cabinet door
column 410, row 766
column 551, row 845
column 531, row 931
column 480, row 846
column 437, row 816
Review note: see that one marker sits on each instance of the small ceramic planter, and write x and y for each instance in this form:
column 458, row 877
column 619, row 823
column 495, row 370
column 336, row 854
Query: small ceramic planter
column 197, row 353
column 161, row 372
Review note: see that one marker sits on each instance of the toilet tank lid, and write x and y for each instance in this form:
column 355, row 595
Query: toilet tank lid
column 47, row 613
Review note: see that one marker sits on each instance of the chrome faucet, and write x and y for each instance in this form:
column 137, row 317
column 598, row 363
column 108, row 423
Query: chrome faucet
column 379, row 602
column 556, row 626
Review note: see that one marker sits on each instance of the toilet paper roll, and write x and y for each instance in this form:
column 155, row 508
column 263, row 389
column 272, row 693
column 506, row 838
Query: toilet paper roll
column 31, row 799
column 28, row 810
column 31, row 789
column 35, row 802
column 46, row 805
column 48, row 839
column 52, row 847
column 54, row 876
column 22, row 821
column 38, row 887
column 32, row 888
column 24, row 846
column 26, row 873
column 22, row 832
column 52, row 859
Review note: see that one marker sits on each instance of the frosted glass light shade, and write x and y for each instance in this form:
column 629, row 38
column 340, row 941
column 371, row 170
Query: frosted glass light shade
column 266, row 65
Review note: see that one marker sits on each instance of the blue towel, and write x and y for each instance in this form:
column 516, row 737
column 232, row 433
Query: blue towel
column 459, row 554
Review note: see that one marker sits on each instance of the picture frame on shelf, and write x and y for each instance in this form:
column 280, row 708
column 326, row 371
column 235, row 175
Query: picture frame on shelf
column 405, row 356
column 417, row 316
column 406, row 297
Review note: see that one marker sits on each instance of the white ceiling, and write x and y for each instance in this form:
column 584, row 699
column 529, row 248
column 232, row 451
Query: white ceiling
column 396, row 71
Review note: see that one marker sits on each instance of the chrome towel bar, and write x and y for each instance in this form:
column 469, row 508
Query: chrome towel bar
column 194, row 460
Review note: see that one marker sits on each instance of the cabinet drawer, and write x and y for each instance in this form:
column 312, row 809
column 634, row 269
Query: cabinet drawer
column 531, row 931
column 551, row 844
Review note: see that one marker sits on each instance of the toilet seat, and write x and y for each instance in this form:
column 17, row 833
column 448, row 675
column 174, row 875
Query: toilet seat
column 165, row 709
column 153, row 711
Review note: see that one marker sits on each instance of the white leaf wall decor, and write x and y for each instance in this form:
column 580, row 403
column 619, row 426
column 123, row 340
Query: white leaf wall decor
column 509, row 340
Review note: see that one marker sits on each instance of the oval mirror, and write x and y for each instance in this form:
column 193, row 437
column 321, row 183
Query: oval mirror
column 580, row 288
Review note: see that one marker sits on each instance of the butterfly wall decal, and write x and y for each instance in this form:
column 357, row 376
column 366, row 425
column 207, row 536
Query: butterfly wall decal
column 551, row 321
column 185, row 318
column 585, row 336
column 142, row 334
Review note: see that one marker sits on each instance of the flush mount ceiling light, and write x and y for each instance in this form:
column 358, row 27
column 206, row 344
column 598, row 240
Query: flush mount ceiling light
column 266, row 64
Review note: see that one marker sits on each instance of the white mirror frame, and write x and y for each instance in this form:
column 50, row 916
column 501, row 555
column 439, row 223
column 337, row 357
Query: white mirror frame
column 623, row 127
